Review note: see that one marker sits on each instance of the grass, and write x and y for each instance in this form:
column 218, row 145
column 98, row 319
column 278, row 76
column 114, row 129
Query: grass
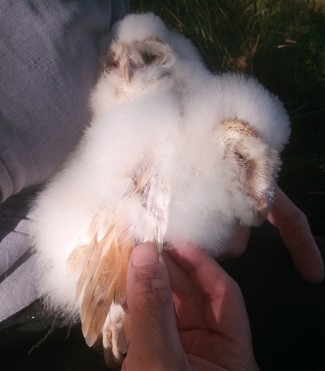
column 281, row 43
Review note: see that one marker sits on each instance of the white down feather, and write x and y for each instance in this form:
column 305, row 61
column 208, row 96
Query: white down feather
column 178, row 123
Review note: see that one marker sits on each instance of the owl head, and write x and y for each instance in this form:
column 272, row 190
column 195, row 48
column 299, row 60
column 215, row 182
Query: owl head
column 145, row 25
column 234, row 132
column 145, row 56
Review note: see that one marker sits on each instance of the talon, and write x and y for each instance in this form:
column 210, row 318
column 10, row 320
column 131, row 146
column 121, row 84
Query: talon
column 114, row 333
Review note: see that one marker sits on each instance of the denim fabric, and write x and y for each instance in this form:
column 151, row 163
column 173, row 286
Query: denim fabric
column 49, row 52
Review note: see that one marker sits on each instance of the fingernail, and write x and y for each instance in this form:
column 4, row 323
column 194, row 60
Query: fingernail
column 144, row 255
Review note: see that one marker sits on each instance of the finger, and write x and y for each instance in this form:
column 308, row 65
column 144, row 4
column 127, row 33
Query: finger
column 223, row 298
column 237, row 244
column 199, row 264
column 199, row 363
column 188, row 301
column 296, row 234
column 154, row 338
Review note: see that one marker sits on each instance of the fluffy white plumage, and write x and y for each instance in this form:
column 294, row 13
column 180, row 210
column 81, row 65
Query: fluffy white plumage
column 176, row 65
column 173, row 153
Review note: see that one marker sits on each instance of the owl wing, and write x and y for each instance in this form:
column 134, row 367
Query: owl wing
column 102, row 281
column 104, row 259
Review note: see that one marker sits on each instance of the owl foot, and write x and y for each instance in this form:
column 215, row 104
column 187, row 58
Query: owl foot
column 115, row 342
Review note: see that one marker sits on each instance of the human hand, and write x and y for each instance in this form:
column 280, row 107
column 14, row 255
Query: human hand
column 296, row 234
column 196, row 320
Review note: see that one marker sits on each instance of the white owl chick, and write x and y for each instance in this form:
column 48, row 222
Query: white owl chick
column 144, row 50
column 163, row 163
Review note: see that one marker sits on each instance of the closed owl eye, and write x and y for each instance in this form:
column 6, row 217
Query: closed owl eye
column 240, row 156
column 110, row 62
column 155, row 51
column 247, row 165
column 114, row 64
column 149, row 58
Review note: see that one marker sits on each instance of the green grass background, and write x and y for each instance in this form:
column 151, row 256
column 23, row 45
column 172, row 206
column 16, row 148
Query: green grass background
column 282, row 44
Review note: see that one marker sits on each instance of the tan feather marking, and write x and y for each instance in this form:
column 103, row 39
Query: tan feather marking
column 89, row 266
column 81, row 253
column 256, row 173
column 95, row 267
column 240, row 126
column 107, row 283
column 77, row 256
column 98, row 287
column 141, row 175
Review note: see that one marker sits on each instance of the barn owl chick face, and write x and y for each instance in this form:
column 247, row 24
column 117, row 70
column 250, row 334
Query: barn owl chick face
column 130, row 69
column 252, row 167
column 223, row 176
column 145, row 55
column 150, row 58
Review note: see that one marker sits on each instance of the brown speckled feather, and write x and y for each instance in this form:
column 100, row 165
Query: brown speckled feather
column 91, row 263
column 103, row 279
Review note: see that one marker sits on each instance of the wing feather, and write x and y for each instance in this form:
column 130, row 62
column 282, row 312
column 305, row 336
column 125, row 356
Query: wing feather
column 102, row 279
column 104, row 261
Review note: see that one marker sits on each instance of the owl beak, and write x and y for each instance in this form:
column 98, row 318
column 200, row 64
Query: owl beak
column 129, row 69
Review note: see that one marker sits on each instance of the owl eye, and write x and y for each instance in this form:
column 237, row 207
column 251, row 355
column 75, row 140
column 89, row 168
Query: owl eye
column 110, row 62
column 246, row 164
column 154, row 51
column 148, row 58
column 240, row 156
column 114, row 64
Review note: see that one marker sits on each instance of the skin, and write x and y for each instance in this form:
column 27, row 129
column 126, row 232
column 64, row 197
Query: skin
column 186, row 312
column 296, row 234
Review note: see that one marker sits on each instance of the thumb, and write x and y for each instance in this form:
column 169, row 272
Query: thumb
column 154, row 339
